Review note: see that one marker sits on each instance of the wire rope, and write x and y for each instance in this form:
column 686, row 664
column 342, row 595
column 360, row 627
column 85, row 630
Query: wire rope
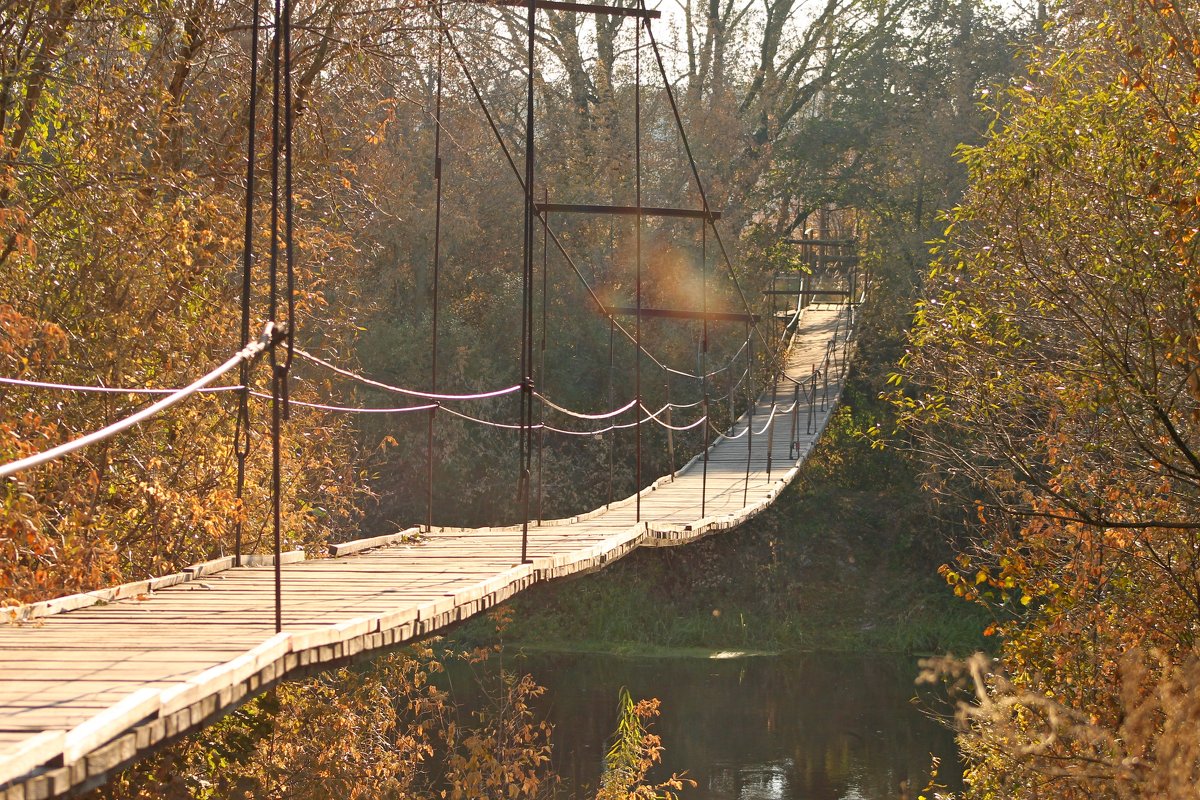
column 695, row 170
column 437, row 263
column 247, row 353
column 637, row 247
column 401, row 390
column 351, row 409
column 579, row 415
column 525, row 449
column 558, row 245
column 241, row 428
column 71, row 387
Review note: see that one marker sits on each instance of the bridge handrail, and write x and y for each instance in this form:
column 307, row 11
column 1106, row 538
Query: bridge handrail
column 249, row 353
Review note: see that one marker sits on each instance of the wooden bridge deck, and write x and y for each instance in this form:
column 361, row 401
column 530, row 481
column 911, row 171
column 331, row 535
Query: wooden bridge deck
column 89, row 682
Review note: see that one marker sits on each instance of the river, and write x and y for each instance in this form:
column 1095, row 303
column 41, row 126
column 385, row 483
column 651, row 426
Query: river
column 805, row 727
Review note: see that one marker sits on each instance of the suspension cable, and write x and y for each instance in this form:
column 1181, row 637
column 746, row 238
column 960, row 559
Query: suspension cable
column 281, row 151
column 289, row 206
column 750, row 403
column 437, row 263
column 637, row 247
column 542, row 365
column 555, row 240
column 526, row 444
column 612, row 439
column 241, row 428
column 704, row 359
column 696, row 171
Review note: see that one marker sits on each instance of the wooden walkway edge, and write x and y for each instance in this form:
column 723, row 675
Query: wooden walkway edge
column 90, row 682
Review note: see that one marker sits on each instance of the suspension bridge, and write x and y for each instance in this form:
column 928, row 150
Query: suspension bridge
column 92, row 681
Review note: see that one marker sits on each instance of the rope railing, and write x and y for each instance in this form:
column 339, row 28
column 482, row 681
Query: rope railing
column 688, row 427
column 616, row 412
column 72, row 387
column 654, row 415
column 351, row 409
column 770, row 419
column 650, row 417
column 728, row 436
column 368, row 409
column 507, row 390
column 246, row 355
column 804, row 389
column 480, row 421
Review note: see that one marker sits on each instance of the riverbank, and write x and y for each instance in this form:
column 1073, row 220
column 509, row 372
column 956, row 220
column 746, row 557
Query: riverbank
column 845, row 561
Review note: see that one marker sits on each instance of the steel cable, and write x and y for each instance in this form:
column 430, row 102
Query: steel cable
column 351, row 409
column 401, row 390
column 248, row 353
column 696, row 171
column 70, row 387
column 579, row 415
column 559, row 246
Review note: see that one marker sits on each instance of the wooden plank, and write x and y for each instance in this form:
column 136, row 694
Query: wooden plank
column 111, row 722
column 358, row 545
column 28, row 752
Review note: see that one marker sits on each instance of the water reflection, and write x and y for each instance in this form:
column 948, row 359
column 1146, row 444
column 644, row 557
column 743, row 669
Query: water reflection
column 751, row 782
column 813, row 727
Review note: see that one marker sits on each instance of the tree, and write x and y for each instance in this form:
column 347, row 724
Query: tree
column 1052, row 367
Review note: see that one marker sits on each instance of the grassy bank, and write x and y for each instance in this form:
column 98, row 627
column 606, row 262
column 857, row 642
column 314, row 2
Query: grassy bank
column 844, row 561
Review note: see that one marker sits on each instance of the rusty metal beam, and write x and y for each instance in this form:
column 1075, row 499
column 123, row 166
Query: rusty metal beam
column 822, row 242
column 671, row 313
column 579, row 8
column 794, row 292
column 647, row 211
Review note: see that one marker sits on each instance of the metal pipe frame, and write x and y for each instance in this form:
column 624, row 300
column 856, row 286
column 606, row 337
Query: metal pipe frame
column 645, row 211
column 670, row 313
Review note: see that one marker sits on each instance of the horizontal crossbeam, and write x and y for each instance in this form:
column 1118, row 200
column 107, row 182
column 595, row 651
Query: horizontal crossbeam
column 671, row 313
column 794, row 292
column 647, row 211
column 822, row 242
column 837, row 259
column 579, row 8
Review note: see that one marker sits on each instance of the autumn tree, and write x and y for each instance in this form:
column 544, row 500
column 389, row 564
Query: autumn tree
column 123, row 135
column 1052, row 369
column 386, row 730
